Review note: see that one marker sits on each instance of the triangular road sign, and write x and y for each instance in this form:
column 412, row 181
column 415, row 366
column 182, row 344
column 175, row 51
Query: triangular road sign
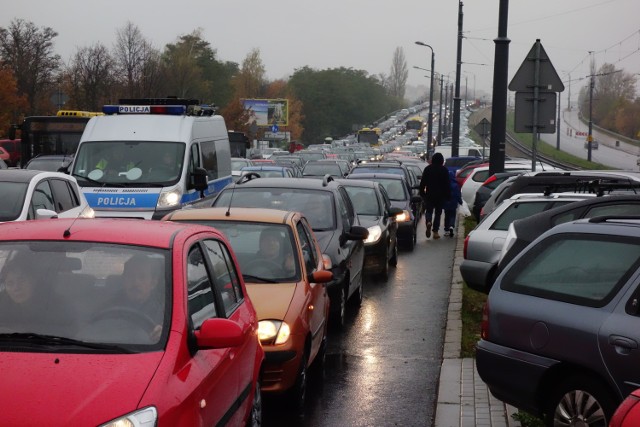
column 548, row 80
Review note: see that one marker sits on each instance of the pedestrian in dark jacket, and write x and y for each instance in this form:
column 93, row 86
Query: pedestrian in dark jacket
column 436, row 190
column 451, row 205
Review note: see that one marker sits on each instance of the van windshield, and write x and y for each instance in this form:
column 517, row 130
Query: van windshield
column 129, row 163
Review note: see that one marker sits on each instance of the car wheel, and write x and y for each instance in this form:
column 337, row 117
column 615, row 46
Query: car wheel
column 255, row 416
column 411, row 243
column 358, row 296
column 580, row 400
column 298, row 392
column 394, row 256
column 384, row 272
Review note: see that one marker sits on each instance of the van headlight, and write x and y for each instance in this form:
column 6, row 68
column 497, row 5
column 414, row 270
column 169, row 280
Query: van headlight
column 170, row 198
column 273, row 331
column 145, row 417
column 374, row 234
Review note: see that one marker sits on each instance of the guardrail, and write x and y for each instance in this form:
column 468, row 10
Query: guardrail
column 527, row 152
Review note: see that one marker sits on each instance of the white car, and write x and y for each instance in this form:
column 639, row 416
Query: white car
column 32, row 194
column 480, row 174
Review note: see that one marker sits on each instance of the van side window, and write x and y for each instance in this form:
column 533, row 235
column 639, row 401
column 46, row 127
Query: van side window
column 194, row 162
column 209, row 158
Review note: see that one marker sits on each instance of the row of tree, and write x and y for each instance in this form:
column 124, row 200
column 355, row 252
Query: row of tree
column 321, row 102
column 615, row 105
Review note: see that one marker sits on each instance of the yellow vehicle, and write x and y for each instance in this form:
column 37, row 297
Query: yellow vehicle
column 416, row 123
column 369, row 136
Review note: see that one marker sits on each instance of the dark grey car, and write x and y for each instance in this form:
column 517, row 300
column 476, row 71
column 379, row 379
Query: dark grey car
column 561, row 329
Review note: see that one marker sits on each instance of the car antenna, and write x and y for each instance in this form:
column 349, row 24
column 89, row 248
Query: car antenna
column 228, row 212
column 67, row 232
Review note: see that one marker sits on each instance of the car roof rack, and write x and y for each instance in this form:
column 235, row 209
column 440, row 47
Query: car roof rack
column 606, row 218
column 326, row 180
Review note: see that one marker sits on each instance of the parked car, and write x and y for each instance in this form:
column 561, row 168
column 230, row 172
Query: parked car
column 326, row 205
column 133, row 323
column 50, row 162
column 560, row 328
column 480, row 174
column 283, row 268
column 594, row 145
column 558, row 181
column 483, row 245
column 524, row 231
column 374, row 208
column 484, row 192
column 455, row 163
column 628, row 412
column 31, row 194
column 400, row 197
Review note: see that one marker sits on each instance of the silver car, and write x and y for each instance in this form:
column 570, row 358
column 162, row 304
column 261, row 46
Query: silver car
column 483, row 244
column 561, row 327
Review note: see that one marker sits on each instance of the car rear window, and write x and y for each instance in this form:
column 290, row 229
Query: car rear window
column 316, row 205
column 523, row 210
column 575, row 268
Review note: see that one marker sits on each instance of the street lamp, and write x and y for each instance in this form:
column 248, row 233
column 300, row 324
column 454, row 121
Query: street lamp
column 430, row 119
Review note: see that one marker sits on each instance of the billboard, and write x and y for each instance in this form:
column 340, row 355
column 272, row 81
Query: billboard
column 268, row 112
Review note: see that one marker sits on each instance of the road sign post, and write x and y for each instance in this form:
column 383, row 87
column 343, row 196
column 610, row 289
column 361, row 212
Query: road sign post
column 536, row 83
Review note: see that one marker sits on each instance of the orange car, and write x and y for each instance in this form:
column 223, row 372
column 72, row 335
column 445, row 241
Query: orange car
column 284, row 270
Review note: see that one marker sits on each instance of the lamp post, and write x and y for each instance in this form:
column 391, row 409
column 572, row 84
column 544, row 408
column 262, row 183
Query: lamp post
column 430, row 119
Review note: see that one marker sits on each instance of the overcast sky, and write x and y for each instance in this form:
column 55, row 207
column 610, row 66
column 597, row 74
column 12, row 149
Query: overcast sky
column 359, row 34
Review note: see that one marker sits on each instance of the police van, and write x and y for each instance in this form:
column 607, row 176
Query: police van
column 147, row 157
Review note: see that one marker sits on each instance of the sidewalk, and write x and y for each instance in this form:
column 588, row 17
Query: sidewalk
column 463, row 399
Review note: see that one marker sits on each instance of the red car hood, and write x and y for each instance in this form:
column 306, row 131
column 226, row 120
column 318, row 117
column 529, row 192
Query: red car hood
column 72, row 389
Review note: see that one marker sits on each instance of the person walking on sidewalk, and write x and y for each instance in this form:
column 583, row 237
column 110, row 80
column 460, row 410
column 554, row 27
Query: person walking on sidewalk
column 451, row 206
column 435, row 190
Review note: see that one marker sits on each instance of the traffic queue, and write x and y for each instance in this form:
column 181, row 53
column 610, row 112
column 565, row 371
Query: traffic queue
column 116, row 319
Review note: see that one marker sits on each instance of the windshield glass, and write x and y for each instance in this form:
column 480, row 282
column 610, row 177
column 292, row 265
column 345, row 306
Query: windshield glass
column 266, row 252
column 321, row 169
column 395, row 188
column 98, row 294
column 317, row 206
column 364, row 200
column 130, row 163
column 12, row 195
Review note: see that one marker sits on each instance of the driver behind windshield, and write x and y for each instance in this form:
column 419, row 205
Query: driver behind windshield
column 142, row 291
column 26, row 303
column 274, row 248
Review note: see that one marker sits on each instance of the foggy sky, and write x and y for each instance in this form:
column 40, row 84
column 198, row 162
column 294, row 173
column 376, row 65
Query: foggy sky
column 360, row 34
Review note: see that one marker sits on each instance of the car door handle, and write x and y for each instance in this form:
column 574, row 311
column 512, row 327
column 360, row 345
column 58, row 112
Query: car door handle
column 623, row 342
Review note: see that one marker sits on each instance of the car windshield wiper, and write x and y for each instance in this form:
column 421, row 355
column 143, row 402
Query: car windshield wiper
column 98, row 183
column 253, row 279
column 56, row 341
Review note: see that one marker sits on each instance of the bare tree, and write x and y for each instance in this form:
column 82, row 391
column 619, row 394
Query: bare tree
column 91, row 77
column 136, row 62
column 28, row 52
column 398, row 75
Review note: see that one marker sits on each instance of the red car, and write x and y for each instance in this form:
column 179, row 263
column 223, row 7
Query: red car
column 628, row 413
column 125, row 322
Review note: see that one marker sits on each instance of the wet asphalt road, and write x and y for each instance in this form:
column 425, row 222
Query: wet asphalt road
column 383, row 368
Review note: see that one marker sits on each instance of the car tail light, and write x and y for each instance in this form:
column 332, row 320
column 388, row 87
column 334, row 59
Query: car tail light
column 489, row 180
column 484, row 324
column 464, row 248
column 623, row 410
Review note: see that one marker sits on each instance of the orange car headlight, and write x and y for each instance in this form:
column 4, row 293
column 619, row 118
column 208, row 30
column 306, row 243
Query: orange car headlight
column 273, row 331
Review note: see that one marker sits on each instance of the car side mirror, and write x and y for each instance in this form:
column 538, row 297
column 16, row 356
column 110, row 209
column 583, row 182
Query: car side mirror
column 46, row 214
column 320, row 276
column 219, row 333
column 200, row 179
column 357, row 233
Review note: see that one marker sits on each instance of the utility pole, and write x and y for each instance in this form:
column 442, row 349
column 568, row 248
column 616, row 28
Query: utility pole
column 446, row 106
column 592, row 83
column 440, row 112
column 558, row 126
column 455, row 133
column 569, row 94
column 500, row 81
